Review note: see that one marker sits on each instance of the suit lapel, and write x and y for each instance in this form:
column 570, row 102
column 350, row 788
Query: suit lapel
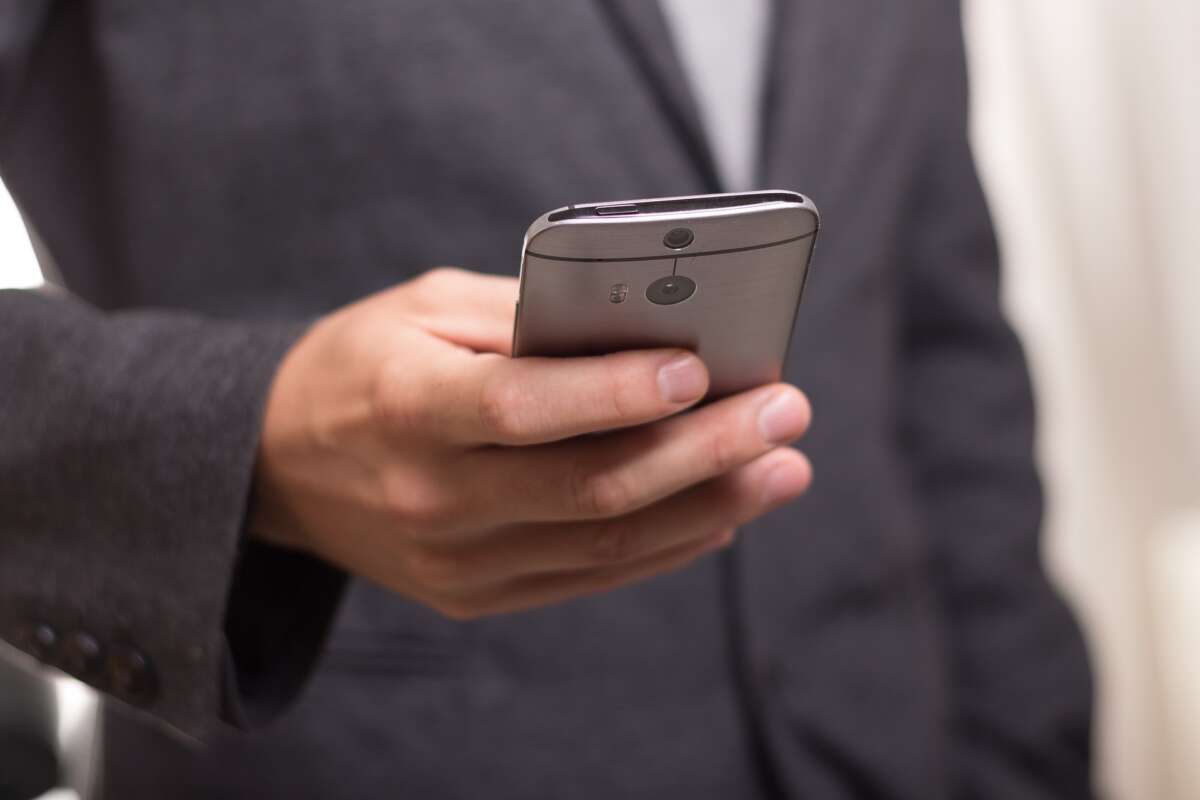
column 641, row 29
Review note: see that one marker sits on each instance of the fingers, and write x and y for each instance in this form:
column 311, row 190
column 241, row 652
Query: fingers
column 534, row 400
column 551, row 589
column 470, row 309
column 614, row 475
column 778, row 478
column 726, row 502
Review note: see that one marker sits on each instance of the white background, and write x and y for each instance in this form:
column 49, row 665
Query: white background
column 1087, row 128
column 18, row 267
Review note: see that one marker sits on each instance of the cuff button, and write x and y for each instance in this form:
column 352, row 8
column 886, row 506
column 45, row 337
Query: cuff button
column 80, row 656
column 131, row 675
column 38, row 640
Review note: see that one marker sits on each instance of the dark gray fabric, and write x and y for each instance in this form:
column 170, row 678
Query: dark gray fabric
column 243, row 166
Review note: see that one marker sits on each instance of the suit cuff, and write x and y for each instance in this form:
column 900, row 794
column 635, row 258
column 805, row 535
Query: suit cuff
column 282, row 605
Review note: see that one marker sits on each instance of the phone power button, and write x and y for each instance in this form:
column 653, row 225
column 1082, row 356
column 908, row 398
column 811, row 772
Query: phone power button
column 617, row 210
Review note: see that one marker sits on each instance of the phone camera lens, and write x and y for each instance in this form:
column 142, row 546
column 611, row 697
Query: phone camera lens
column 678, row 238
column 670, row 290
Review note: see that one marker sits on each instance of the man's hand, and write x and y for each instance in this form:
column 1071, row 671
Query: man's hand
column 403, row 444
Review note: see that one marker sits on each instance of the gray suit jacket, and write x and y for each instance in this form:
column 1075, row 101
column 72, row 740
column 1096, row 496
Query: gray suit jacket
column 208, row 176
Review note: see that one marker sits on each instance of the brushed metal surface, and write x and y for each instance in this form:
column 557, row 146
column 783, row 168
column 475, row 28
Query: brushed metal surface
column 739, row 320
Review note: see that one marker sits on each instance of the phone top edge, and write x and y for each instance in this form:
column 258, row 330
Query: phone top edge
column 644, row 209
column 685, row 203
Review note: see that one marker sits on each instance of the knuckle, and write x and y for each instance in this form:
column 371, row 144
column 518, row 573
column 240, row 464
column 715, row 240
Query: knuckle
column 606, row 580
column 414, row 505
column 723, row 451
column 500, row 409
column 439, row 276
column 427, row 514
column 431, row 287
column 601, row 494
column 458, row 609
column 435, row 570
column 393, row 495
column 622, row 393
column 389, row 404
column 400, row 402
column 611, row 543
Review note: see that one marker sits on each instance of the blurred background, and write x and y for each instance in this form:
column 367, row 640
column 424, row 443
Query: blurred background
column 1086, row 126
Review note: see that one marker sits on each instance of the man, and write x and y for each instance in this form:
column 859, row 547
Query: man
column 192, row 466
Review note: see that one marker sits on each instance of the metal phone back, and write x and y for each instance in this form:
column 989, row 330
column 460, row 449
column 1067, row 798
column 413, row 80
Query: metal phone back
column 589, row 273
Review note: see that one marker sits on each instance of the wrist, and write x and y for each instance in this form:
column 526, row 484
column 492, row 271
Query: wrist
column 267, row 521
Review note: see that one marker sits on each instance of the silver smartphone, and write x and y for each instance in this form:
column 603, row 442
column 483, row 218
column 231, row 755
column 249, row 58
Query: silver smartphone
column 721, row 275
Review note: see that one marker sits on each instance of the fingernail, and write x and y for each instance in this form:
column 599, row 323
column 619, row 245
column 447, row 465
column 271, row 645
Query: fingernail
column 682, row 379
column 783, row 483
column 783, row 417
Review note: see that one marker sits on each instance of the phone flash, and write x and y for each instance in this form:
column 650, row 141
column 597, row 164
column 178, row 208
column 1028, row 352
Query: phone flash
column 618, row 293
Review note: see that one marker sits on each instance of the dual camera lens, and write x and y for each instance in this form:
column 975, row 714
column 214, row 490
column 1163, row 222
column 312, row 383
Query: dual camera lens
column 669, row 289
column 679, row 238
column 672, row 289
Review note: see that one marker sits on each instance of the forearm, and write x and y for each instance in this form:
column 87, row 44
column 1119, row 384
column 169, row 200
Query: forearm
column 127, row 444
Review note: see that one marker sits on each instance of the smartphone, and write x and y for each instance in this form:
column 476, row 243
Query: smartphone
column 721, row 275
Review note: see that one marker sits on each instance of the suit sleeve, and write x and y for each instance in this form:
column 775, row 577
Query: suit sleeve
column 127, row 449
column 1021, row 690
